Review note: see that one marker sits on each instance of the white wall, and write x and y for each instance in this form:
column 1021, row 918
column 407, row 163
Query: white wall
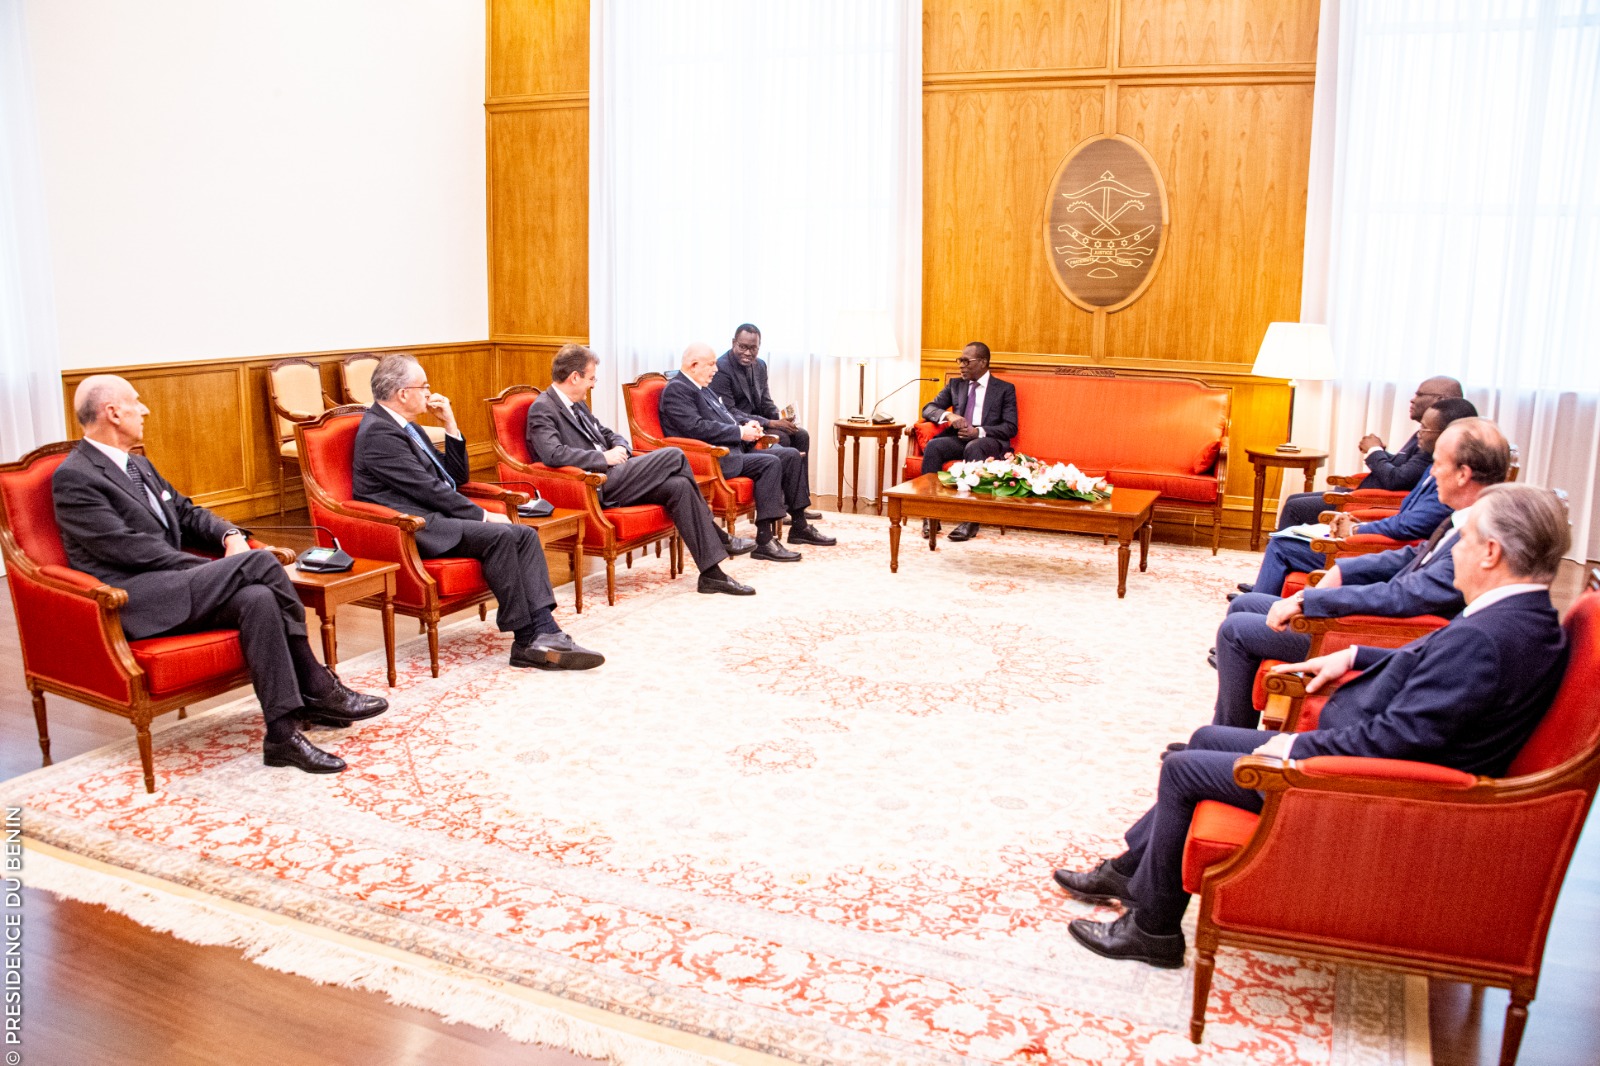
column 229, row 179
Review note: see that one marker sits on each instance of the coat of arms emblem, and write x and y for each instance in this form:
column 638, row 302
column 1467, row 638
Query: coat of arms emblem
column 1105, row 223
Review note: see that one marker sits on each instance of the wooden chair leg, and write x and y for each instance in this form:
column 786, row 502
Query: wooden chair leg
column 183, row 712
column 658, row 549
column 483, row 611
column 43, row 723
column 432, row 626
column 629, row 558
column 1516, row 1022
column 577, row 581
column 281, row 491
column 146, row 755
column 422, row 625
column 1205, row 961
column 611, row 581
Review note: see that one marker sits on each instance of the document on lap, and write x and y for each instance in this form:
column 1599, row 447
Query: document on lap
column 1308, row 532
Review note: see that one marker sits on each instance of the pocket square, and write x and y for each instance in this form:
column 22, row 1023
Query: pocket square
column 166, row 495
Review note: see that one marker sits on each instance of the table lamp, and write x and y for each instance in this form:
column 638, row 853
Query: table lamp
column 859, row 336
column 1299, row 351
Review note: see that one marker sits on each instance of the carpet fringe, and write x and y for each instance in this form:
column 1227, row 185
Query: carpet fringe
column 455, row 999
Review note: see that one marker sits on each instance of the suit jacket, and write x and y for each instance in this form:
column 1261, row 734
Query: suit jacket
column 1419, row 515
column 390, row 469
column 1467, row 696
column 555, row 438
column 744, row 392
column 999, row 415
column 1397, row 470
column 699, row 414
column 109, row 530
column 1393, row 584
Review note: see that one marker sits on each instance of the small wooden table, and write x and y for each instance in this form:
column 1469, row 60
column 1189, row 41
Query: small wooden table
column 563, row 525
column 1126, row 514
column 368, row 580
column 845, row 431
column 1261, row 458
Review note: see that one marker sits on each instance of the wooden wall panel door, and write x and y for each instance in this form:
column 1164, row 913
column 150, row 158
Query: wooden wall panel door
column 539, row 222
column 195, row 432
column 990, row 35
column 1211, row 33
column 466, row 375
column 988, row 160
column 1235, row 161
column 522, row 365
column 538, row 47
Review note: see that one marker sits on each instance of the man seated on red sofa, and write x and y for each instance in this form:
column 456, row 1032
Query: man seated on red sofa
column 1466, row 696
column 979, row 415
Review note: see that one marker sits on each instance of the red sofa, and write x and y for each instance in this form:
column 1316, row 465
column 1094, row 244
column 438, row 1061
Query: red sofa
column 1166, row 434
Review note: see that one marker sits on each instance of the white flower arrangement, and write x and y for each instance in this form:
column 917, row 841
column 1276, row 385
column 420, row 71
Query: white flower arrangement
column 1020, row 475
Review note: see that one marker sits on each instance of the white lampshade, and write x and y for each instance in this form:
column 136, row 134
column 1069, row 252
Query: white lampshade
column 862, row 335
column 1299, row 351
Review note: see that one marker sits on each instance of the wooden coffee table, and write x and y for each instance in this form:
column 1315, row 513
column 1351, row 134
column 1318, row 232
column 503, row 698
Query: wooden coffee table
column 1125, row 515
column 367, row 580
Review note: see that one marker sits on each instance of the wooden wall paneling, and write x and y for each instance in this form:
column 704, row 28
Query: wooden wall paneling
column 523, row 364
column 465, row 375
column 538, row 47
column 195, row 433
column 1208, row 33
column 539, row 222
column 1235, row 159
column 990, row 35
column 988, row 160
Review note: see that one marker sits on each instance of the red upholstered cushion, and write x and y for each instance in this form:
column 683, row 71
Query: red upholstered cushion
column 1294, row 582
column 31, row 510
column 1139, row 424
column 644, row 405
column 744, row 492
column 1173, row 486
column 328, row 453
column 926, row 431
column 1571, row 726
column 1311, row 713
column 1258, row 685
column 172, row 664
column 1215, row 832
column 455, row 576
column 641, row 520
column 511, row 428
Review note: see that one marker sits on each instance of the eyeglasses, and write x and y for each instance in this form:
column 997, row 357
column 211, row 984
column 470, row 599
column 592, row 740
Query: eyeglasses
column 408, row 388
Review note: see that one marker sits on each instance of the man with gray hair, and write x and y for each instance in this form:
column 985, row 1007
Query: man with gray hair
column 1467, row 696
column 124, row 523
column 396, row 466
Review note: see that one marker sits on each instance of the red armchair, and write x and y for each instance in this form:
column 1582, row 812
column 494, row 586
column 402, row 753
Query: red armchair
column 425, row 589
column 70, row 623
column 730, row 497
column 1405, row 865
column 616, row 530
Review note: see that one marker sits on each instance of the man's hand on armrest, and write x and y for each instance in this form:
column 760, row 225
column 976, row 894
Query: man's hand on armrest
column 1327, row 668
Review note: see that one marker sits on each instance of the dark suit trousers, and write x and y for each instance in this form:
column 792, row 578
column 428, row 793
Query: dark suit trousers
column 1243, row 640
column 1154, row 859
column 947, row 448
column 513, row 565
column 251, row 593
column 1285, row 556
column 1302, row 508
column 782, row 482
column 664, row 477
column 799, row 440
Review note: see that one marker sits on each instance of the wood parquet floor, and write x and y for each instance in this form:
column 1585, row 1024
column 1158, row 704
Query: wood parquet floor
column 99, row 988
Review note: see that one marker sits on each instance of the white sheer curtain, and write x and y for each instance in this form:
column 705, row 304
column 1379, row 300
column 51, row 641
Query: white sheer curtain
column 1459, row 145
column 756, row 162
column 30, row 375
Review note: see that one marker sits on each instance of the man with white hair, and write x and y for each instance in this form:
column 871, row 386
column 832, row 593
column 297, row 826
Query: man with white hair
column 1467, row 696
column 124, row 523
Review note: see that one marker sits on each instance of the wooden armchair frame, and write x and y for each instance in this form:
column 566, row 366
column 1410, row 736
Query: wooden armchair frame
column 286, row 418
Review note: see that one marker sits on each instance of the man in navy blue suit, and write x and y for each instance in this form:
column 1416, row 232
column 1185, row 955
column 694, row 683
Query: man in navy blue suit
column 1419, row 515
column 690, row 408
column 1467, row 696
column 1469, row 457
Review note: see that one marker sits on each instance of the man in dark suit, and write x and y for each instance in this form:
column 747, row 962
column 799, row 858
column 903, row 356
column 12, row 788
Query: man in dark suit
column 1419, row 579
column 689, row 408
column 741, row 382
column 1467, row 696
column 395, row 465
column 979, row 413
column 1386, row 469
column 1419, row 515
column 122, row 522
column 562, row 431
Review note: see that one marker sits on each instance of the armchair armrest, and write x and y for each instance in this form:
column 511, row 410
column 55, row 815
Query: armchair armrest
column 691, row 446
column 283, row 555
column 766, row 440
column 1354, row 775
column 1357, row 544
column 361, row 511
column 1344, row 481
column 508, row 499
column 1379, row 628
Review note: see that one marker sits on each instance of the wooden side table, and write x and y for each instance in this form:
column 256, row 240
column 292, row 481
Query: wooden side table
column 563, row 525
column 845, row 431
column 1261, row 458
column 368, row 580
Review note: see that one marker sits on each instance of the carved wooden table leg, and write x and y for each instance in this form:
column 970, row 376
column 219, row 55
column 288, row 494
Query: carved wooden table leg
column 1144, row 544
column 1124, row 553
column 388, row 627
column 882, row 441
column 839, row 443
column 895, row 521
column 1255, row 510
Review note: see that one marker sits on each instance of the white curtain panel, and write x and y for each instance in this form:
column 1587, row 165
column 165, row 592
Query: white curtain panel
column 30, row 373
column 756, row 162
column 1462, row 197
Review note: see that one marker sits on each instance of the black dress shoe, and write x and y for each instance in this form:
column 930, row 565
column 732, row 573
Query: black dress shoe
column 554, row 651
column 740, row 545
column 1103, row 884
column 813, row 515
column 773, row 552
column 810, row 535
column 341, row 706
column 300, row 753
column 1233, row 596
column 710, row 583
column 1123, row 939
column 1246, row 586
column 1175, row 746
column 1211, row 658
column 964, row 531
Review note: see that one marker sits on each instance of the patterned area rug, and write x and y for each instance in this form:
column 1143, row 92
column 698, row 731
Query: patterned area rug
column 817, row 825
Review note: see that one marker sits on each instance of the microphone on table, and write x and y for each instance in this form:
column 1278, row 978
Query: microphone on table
column 536, row 507
column 883, row 420
column 318, row 560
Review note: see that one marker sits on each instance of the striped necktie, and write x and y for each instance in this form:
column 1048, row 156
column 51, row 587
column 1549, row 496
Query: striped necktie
column 136, row 476
column 427, row 447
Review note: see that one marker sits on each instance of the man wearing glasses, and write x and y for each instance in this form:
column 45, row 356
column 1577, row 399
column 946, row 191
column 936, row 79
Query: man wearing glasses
column 396, row 466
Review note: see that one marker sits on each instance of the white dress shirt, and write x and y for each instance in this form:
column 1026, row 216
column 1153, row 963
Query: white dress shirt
column 980, row 391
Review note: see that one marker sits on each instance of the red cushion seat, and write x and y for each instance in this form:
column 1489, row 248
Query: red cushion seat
column 638, row 520
column 455, row 576
column 174, row 663
column 1215, row 832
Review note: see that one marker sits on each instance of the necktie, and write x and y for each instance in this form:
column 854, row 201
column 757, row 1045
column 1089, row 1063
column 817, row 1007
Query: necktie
column 716, row 404
column 590, row 426
column 137, row 477
column 972, row 398
column 1433, row 542
column 427, row 447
